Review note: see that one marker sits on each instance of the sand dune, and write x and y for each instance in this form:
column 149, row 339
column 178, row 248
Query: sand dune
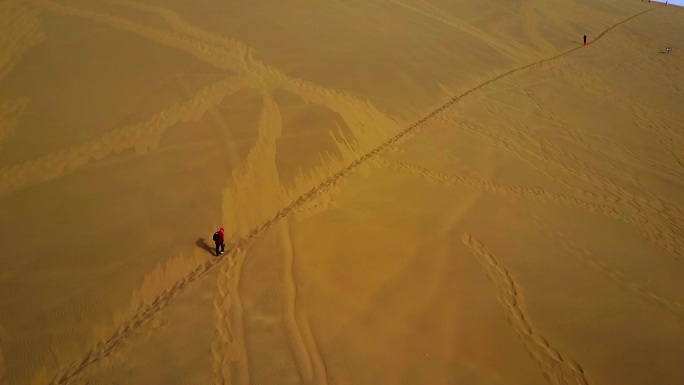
column 412, row 191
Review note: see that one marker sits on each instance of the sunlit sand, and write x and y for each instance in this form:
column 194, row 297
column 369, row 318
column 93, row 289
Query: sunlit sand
column 413, row 192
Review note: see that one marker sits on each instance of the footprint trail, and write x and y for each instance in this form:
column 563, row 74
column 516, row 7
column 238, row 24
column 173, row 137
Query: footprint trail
column 557, row 370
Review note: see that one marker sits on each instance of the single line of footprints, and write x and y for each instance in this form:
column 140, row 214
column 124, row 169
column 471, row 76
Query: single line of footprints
column 146, row 312
column 555, row 368
column 228, row 350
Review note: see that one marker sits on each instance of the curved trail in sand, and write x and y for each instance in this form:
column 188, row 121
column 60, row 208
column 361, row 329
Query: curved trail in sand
column 557, row 369
column 228, row 347
column 125, row 331
column 537, row 194
column 303, row 345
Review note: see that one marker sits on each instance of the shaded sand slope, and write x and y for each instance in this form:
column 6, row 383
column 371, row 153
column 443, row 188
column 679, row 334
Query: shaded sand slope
column 527, row 231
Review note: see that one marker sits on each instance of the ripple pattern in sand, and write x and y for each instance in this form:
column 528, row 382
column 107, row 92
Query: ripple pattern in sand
column 374, row 132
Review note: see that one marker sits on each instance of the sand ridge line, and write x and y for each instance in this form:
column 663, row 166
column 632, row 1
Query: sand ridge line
column 295, row 85
column 612, row 27
column 228, row 348
column 505, row 74
column 177, row 22
column 141, row 136
column 556, row 369
column 10, row 114
column 638, row 208
column 145, row 312
column 310, row 364
column 587, row 258
column 20, row 31
column 410, row 130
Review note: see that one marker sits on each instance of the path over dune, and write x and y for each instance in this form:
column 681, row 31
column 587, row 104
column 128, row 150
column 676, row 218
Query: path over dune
column 105, row 348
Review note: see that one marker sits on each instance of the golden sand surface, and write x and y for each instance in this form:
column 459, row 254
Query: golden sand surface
column 413, row 192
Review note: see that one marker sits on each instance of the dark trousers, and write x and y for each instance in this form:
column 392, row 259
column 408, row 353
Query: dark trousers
column 221, row 246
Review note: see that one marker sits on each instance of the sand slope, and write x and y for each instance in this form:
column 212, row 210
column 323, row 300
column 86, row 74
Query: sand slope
column 413, row 192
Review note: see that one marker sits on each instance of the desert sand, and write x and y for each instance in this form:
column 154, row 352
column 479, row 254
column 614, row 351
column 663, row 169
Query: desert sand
column 413, row 192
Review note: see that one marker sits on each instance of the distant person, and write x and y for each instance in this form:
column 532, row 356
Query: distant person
column 585, row 39
column 219, row 240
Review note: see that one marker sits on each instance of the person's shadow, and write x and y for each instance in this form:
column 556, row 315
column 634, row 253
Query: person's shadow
column 202, row 244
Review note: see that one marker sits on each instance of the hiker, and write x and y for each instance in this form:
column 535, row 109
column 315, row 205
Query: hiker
column 219, row 240
column 585, row 39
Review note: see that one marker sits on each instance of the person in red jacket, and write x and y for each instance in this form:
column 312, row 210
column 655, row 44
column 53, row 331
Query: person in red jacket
column 219, row 240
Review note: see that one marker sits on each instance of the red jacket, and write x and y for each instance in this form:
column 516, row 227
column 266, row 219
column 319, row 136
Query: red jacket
column 221, row 236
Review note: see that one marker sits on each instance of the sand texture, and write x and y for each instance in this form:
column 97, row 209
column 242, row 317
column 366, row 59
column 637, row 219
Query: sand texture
column 413, row 192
